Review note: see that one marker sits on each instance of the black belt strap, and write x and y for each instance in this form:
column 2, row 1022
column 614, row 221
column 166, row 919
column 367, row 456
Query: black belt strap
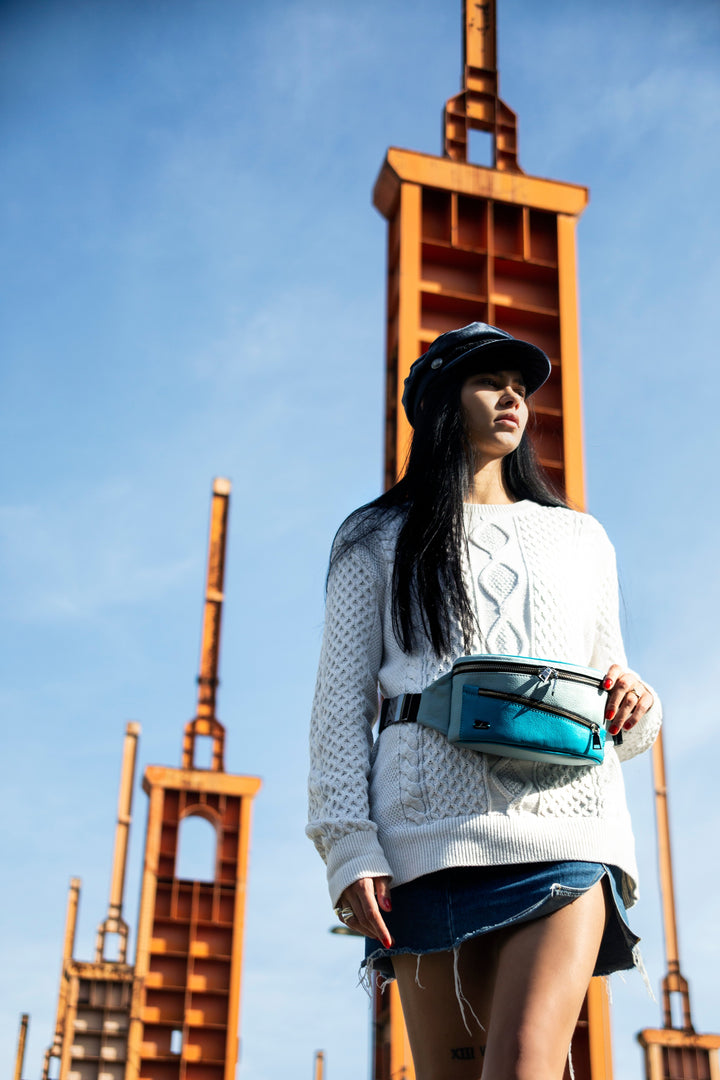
column 406, row 711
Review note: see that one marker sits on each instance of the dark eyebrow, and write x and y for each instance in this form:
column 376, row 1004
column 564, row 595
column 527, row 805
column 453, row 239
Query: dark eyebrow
column 519, row 378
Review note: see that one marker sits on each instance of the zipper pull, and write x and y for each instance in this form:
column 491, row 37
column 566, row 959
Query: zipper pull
column 597, row 745
column 547, row 675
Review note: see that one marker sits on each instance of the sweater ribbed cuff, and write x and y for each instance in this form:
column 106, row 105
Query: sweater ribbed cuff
column 640, row 738
column 356, row 855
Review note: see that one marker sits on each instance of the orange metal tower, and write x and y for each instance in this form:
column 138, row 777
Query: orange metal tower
column 20, row 1055
column 94, row 1000
column 55, row 1048
column 468, row 243
column 674, row 1052
column 465, row 243
column 186, row 999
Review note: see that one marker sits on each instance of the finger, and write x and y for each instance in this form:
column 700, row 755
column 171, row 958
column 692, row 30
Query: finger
column 367, row 912
column 350, row 901
column 354, row 920
column 623, row 714
column 382, row 891
column 374, row 926
column 373, row 920
column 613, row 672
column 622, row 682
column 363, row 926
column 343, row 910
column 633, row 707
column 611, row 704
column 643, row 703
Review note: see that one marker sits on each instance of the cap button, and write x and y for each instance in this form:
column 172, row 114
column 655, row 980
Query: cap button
column 435, row 364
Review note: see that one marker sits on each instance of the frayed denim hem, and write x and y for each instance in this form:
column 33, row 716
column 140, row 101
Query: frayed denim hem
column 619, row 950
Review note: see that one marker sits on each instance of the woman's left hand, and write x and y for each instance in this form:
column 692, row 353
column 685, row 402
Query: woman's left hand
column 628, row 699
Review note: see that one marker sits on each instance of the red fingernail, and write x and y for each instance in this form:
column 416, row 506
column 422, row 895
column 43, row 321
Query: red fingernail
column 614, row 729
column 609, row 713
column 607, row 682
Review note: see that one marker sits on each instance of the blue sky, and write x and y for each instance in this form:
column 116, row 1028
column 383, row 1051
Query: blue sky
column 193, row 285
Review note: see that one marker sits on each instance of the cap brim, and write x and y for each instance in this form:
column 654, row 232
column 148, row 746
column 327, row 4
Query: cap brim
column 521, row 355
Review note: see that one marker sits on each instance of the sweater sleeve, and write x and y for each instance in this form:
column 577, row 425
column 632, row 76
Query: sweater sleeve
column 608, row 646
column 344, row 709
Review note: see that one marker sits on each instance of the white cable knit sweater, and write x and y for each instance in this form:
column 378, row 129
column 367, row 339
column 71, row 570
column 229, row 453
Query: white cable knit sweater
column 543, row 583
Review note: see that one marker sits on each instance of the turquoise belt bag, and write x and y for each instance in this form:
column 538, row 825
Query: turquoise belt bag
column 520, row 707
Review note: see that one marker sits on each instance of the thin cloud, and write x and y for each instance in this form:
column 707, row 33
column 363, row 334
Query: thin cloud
column 83, row 559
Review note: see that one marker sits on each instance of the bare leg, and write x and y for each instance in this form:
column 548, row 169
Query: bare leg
column 543, row 973
column 442, row 1046
column 526, row 986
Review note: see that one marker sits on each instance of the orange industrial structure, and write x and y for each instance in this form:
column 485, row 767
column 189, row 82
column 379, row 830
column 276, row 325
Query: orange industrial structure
column 173, row 1015
column 465, row 243
column 94, row 1001
column 186, row 1001
column 22, row 1038
column 674, row 1051
column 319, row 1065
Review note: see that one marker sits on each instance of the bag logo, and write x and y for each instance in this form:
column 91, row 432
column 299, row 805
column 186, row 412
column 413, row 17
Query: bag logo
column 481, row 725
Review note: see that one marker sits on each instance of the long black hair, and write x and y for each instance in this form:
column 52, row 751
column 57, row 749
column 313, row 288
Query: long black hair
column 428, row 567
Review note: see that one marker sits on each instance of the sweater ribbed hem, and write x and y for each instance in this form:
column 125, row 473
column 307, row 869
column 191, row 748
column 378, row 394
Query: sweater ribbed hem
column 494, row 839
column 355, row 855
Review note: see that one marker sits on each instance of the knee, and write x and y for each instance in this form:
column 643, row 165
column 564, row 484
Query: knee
column 535, row 1068
column 525, row 1058
column 427, row 1071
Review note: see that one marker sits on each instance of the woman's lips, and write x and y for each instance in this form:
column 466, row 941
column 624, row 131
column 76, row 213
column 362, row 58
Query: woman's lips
column 509, row 418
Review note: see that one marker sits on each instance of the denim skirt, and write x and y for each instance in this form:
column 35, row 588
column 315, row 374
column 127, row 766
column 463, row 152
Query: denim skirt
column 438, row 912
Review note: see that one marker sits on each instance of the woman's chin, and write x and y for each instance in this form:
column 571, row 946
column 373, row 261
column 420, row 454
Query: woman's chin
column 500, row 445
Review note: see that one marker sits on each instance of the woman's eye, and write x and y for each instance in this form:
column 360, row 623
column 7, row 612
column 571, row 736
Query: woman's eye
column 496, row 383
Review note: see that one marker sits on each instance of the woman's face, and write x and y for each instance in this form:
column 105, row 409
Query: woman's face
column 495, row 411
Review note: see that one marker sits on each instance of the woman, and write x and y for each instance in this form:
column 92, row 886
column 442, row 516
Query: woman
column 492, row 889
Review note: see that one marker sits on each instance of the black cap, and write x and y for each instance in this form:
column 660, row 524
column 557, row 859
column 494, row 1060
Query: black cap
column 455, row 345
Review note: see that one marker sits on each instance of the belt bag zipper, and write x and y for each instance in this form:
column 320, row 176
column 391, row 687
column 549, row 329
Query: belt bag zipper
column 531, row 703
column 529, row 669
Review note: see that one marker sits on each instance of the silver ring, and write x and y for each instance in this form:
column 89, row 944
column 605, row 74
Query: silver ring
column 344, row 914
column 638, row 690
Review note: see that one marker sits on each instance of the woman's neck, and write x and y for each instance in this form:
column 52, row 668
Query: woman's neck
column 487, row 484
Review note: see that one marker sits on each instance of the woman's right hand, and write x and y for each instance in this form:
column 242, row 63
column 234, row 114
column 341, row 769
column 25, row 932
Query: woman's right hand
column 366, row 897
